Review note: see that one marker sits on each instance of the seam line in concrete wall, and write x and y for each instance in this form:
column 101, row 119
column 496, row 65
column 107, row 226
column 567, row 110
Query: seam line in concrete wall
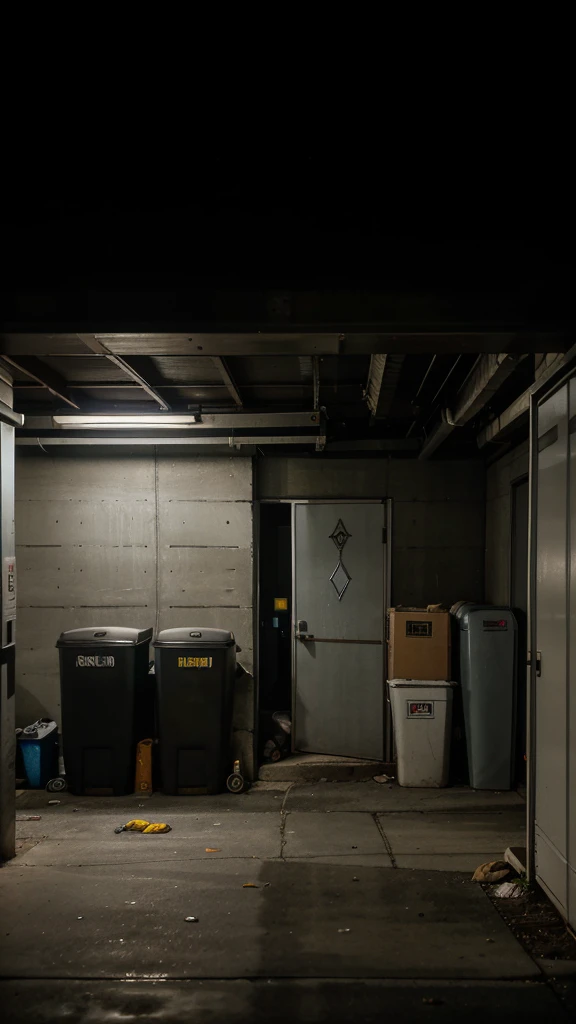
column 61, row 607
column 209, row 501
column 107, row 546
column 219, row 547
column 439, row 547
column 79, row 501
column 207, row 606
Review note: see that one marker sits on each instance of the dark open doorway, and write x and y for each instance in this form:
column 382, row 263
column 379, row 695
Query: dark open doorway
column 275, row 641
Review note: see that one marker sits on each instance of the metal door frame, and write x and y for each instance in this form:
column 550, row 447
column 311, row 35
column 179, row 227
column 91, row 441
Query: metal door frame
column 8, row 421
column 539, row 395
column 387, row 592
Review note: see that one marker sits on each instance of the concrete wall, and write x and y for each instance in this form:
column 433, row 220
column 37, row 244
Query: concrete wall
column 128, row 539
column 438, row 516
column 499, row 479
column 138, row 539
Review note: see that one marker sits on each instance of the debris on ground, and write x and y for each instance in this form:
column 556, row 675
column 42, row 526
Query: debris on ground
column 341, row 931
column 52, row 803
column 146, row 827
column 278, row 745
column 509, row 890
column 381, row 779
column 29, row 817
column 536, row 924
column 250, row 885
column 492, row 871
column 213, row 849
column 193, row 919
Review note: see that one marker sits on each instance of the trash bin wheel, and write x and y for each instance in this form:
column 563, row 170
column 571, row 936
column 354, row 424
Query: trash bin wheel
column 56, row 785
column 236, row 783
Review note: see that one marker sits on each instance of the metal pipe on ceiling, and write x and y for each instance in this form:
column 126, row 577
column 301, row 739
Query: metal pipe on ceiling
column 230, row 441
column 490, row 373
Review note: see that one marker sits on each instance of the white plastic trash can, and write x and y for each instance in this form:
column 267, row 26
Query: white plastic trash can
column 422, row 718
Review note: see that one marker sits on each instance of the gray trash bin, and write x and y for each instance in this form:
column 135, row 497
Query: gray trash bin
column 485, row 637
column 422, row 718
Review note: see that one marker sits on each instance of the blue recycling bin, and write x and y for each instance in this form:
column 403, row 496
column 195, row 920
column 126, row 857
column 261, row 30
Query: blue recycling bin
column 39, row 748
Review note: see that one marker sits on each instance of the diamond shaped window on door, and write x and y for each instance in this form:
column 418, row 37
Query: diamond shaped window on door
column 340, row 579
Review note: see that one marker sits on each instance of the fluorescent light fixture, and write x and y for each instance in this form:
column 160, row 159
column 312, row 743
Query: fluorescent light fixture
column 163, row 420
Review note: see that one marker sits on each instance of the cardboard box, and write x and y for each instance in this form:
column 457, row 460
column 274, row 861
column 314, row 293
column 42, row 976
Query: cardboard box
column 419, row 644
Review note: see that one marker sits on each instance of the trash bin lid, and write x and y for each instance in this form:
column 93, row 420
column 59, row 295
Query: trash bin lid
column 496, row 615
column 414, row 684
column 194, row 636
column 97, row 636
column 38, row 730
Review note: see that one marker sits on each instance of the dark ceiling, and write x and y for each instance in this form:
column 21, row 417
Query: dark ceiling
column 251, row 297
column 67, row 373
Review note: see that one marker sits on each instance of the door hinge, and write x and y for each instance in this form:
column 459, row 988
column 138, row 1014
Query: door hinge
column 384, row 534
column 538, row 662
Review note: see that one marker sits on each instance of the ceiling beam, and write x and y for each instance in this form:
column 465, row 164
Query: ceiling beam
column 228, row 379
column 490, row 373
column 292, row 343
column 44, row 375
column 382, row 382
column 474, row 295
column 511, row 417
column 139, row 368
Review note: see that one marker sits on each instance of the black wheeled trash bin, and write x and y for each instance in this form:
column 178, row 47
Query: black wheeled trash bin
column 195, row 671
column 107, row 706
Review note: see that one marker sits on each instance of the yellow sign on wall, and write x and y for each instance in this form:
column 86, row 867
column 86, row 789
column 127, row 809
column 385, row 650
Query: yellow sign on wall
column 280, row 604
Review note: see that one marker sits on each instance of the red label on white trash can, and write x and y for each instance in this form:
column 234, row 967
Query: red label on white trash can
column 420, row 709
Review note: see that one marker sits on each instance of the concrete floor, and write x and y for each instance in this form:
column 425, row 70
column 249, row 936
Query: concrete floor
column 360, row 902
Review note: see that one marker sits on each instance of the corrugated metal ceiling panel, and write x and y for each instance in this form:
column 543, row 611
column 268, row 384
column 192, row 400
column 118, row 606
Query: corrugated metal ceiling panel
column 92, row 369
column 187, row 369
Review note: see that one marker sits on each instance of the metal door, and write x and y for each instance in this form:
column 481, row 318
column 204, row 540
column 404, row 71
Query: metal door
column 339, row 593
column 551, row 643
column 571, row 681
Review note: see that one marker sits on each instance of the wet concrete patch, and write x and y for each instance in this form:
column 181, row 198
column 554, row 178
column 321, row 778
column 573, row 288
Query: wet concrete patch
column 402, row 924
column 284, row 1002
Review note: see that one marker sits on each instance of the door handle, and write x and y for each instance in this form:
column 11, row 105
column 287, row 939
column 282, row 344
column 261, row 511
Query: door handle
column 301, row 631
